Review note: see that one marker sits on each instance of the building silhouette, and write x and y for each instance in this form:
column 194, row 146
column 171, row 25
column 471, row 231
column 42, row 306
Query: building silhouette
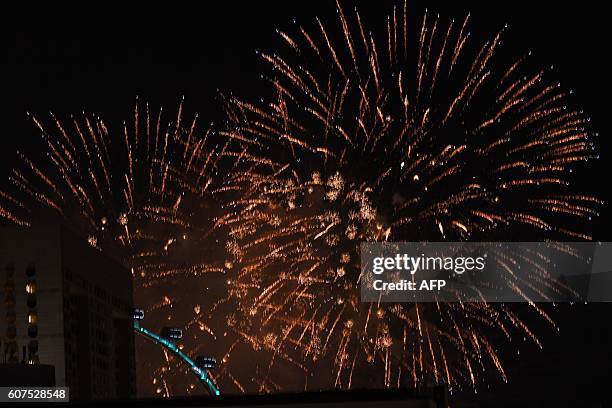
column 69, row 306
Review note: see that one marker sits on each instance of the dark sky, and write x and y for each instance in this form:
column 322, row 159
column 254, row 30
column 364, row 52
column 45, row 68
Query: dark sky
column 101, row 57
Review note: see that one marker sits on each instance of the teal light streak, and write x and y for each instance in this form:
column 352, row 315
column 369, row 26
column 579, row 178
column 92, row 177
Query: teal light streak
column 201, row 374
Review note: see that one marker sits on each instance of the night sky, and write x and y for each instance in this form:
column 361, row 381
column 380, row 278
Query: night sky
column 100, row 58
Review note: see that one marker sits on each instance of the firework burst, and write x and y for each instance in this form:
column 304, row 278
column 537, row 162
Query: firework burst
column 147, row 193
column 404, row 135
column 398, row 134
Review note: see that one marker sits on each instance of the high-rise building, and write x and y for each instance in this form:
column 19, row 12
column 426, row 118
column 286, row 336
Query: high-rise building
column 64, row 303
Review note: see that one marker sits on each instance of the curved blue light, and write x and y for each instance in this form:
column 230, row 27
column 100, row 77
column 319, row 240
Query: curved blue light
column 201, row 374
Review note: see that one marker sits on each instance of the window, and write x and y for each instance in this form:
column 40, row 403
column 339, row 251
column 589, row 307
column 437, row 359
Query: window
column 30, row 288
column 32, row 317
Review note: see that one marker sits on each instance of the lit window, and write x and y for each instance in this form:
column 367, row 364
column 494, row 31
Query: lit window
column 30, row 287
column 32, row 317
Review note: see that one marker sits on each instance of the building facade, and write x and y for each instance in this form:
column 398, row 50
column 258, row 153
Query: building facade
column 69, row 306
